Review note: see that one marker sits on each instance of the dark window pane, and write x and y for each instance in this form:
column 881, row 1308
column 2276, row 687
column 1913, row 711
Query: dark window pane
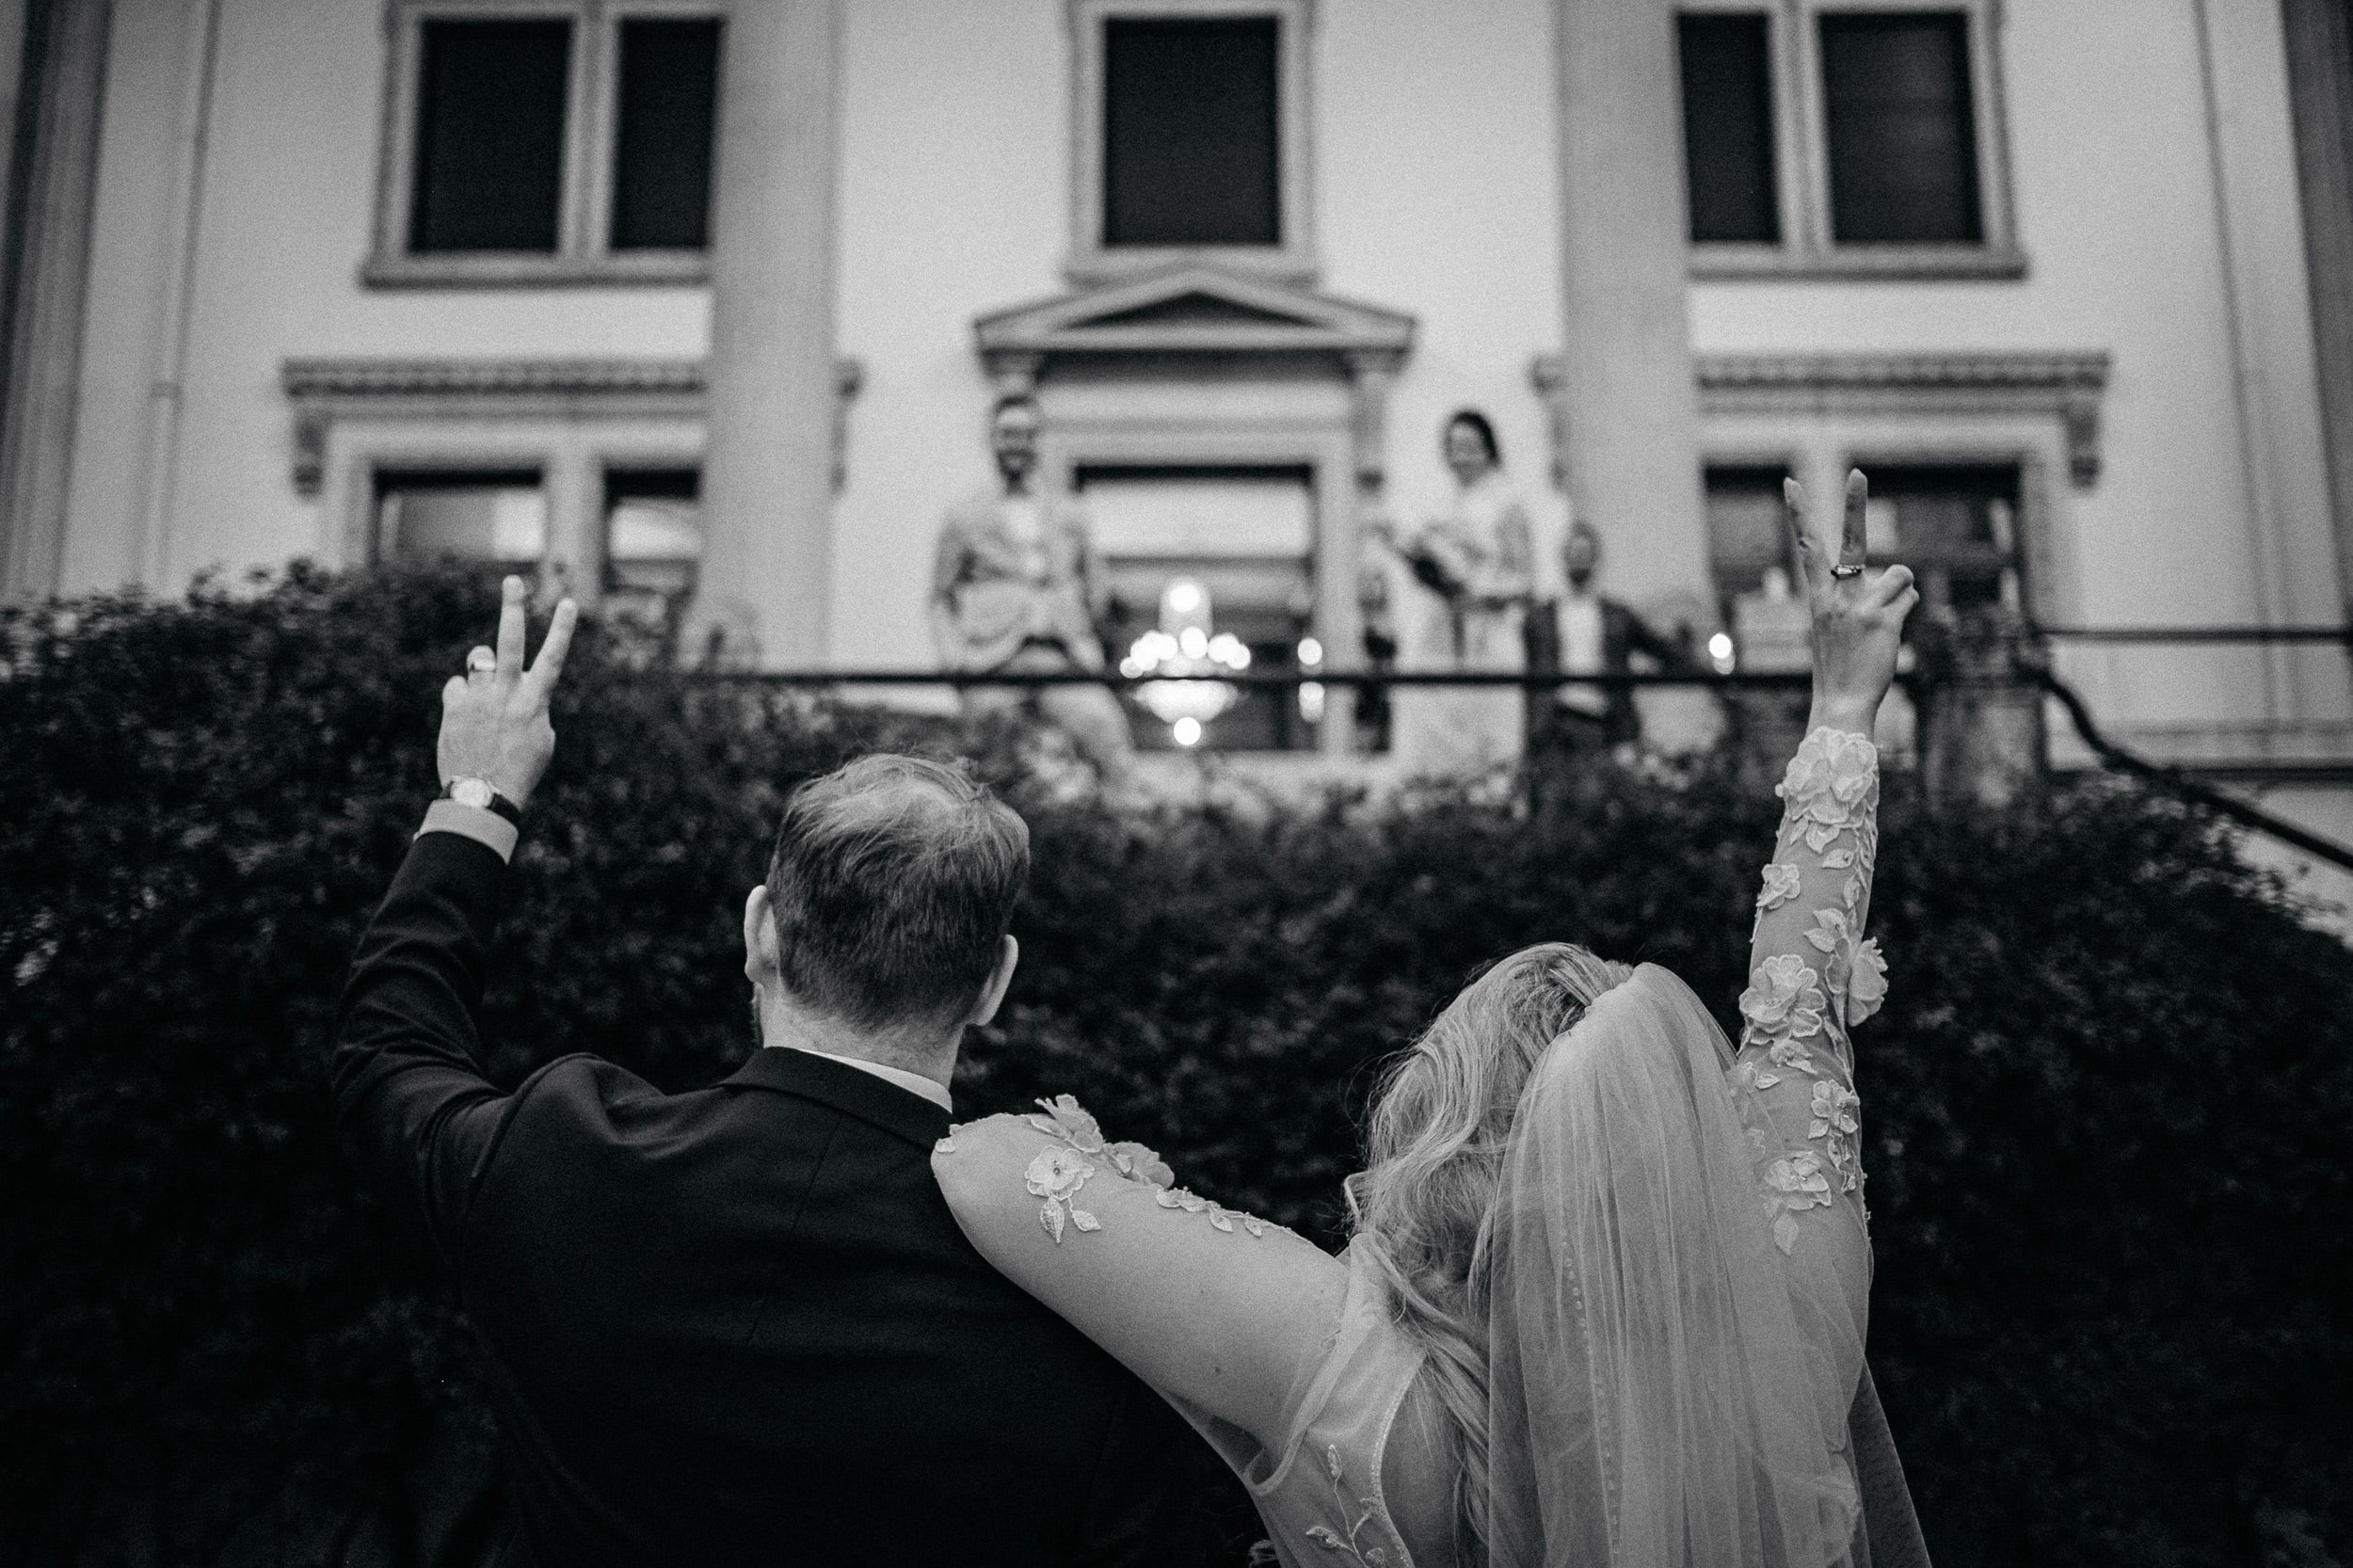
column 1961, row 512
column 1728, row 129
column 1191, row 115
column 489, row 171
column 1903, row 156
column 653, row 545
column 669, row 91
column 1745, row 531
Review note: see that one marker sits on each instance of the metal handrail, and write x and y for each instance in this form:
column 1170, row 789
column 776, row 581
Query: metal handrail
column 2078, row 714
column 2198, row 634
column 2172, row 779
column 1253, row 679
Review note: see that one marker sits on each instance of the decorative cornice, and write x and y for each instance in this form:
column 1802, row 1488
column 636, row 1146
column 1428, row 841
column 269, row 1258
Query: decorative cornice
column 2060, row 385
column 322, row 390
column 1816, row 372
column 372, row 378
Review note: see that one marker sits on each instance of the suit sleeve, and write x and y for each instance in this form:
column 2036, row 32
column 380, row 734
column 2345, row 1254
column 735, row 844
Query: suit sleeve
column 1644, row 638
column 948, row 566
column 1149, row 1504
column 411, row 1104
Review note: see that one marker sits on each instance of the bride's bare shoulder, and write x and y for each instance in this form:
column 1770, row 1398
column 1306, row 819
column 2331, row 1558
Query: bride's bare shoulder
column 1215, row 1306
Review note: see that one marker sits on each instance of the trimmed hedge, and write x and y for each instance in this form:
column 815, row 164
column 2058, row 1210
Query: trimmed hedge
column 2107, row 1101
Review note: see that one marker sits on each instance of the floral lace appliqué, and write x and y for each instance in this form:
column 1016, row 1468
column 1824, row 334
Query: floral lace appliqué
column 1792, row 1009
column 1838, row 1122
column 1784, row 1000
column 1057, row 1174
column 1351, row 1545
column 1796, row 1184
column 1866, row 982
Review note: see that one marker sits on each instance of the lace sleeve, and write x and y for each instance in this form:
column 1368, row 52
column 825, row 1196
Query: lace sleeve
column 1813, row 977
column 1209, row 1305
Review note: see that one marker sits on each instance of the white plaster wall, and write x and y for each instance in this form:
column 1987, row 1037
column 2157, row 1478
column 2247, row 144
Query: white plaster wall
column 952, row 203
column 2117, row 211
column 1438, row 193
column 1434, row 193
column 283, row 223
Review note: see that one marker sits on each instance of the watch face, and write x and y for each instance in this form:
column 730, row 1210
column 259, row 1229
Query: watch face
column 476, row 792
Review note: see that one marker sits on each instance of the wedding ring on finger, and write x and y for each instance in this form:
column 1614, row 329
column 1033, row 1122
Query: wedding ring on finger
column 481, row 662
column 1847, row 569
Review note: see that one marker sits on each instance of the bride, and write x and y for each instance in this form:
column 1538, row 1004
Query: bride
column 1605, row 1298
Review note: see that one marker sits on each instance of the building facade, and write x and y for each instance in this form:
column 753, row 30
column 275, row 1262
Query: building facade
column 701, row 307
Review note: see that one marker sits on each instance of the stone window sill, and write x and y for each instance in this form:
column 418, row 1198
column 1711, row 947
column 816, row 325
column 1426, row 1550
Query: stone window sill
column 1858, row 263
column 504, row 271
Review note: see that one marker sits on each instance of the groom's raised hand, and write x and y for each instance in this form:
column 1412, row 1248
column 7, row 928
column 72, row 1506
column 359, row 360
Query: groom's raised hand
column 494, row 717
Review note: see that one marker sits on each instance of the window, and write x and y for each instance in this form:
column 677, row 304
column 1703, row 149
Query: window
column 1190, row 132
column 1829, row 140
column 668, row 99
column 1189, row 125
column 1229, row 551
column 497, row 518
column 1955, row 525
column 490, row 158
column 1747, row 538
column 1748, row 552
column 653, row 545
column 1728, row 129
column 1898, row 130
column 548, row 141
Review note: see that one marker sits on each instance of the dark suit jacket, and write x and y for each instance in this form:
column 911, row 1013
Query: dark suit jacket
column 1623, row 633
column 738, row 1325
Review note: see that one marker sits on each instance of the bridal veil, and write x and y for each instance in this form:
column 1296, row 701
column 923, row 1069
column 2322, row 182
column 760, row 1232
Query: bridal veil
column 1669, row 1385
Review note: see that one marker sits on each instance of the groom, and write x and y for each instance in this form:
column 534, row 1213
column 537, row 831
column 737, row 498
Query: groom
column 739, row 1325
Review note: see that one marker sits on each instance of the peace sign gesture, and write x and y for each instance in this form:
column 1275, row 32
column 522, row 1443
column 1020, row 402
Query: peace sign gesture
column 1858, row 613
column 494, row 717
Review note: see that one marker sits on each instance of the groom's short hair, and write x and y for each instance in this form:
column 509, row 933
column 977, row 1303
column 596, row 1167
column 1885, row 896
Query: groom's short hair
column 894, row 881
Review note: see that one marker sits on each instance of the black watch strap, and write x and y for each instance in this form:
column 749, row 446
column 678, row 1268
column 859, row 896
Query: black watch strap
column 485, row 795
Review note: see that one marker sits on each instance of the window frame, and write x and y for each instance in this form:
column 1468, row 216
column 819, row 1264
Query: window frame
column 2037, row 415
column 1802, row 155
column 1294, row 259
column 583, row 252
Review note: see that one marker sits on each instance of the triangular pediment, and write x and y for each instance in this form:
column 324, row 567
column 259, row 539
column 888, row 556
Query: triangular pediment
column 1198, row 309
column 1195, row 309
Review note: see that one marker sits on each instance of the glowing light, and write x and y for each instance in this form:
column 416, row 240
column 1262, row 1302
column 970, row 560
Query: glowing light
column 1186, row 731
column 1719, row 652
column 1179, row 663
column 1311, row 700
column 1310, row 652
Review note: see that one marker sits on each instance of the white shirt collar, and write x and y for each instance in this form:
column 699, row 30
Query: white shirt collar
column 914, row 1083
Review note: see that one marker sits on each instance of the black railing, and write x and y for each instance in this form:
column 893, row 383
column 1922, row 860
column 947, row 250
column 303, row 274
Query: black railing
column 1253, row 680
column 2110, row 753
column 2198, row 634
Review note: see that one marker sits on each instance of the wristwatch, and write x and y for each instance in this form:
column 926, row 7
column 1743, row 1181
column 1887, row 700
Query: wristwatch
column 482, row 795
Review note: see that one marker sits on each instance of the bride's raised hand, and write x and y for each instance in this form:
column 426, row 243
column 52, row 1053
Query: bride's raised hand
column 1858, row 613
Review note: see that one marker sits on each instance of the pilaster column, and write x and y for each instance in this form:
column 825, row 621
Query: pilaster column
column 1627, row 407
column 46, row 277
column 767, row 585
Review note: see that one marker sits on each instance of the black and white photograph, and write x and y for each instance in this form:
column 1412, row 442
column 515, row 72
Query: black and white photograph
column 1177, row 783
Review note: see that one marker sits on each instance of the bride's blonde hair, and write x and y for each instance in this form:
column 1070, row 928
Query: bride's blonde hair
column 1435, row 1151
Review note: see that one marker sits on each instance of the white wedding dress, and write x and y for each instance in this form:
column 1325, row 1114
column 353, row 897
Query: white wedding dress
column 1678, row 1286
